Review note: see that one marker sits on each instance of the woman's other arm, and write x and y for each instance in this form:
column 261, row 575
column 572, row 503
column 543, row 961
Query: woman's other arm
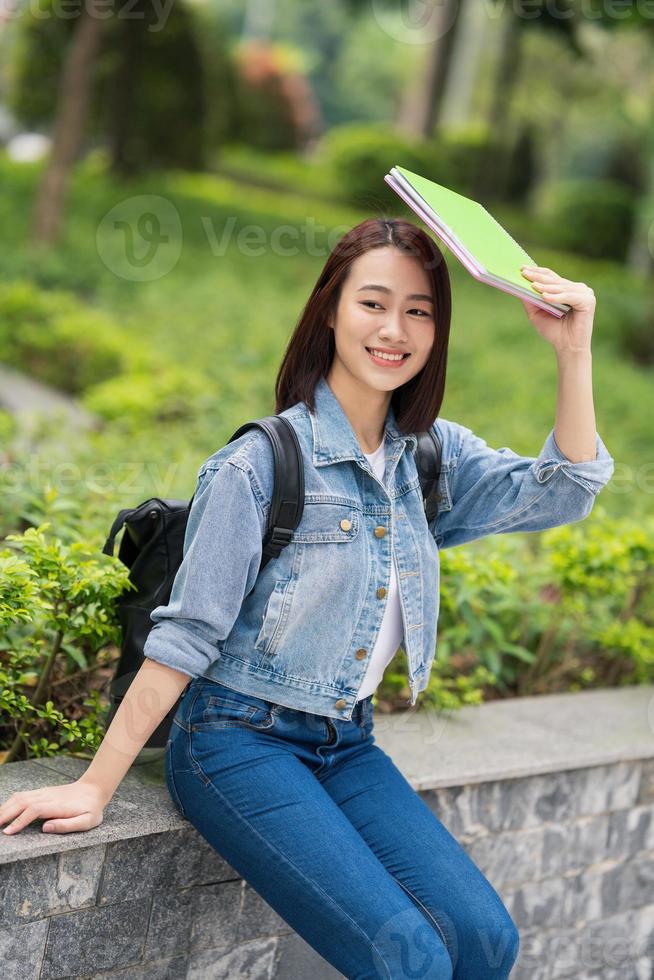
column 570, row 337
column 80, row 805
column 575, row 414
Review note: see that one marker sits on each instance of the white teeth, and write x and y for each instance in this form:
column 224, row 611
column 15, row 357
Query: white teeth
column 387, row 357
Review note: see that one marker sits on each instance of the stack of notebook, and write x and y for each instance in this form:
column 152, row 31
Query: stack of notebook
column 477, row 239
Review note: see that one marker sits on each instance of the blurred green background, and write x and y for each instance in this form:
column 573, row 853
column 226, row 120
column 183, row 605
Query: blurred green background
column 172, row 181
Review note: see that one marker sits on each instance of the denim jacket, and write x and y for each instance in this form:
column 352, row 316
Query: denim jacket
column 303, row 635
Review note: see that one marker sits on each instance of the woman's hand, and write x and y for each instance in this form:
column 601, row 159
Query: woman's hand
column 572, row 331
column 72, row 806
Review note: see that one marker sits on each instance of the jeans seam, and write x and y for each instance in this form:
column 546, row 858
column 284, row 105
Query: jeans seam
column 172, row 788
column 305, row 877
column 424, row 909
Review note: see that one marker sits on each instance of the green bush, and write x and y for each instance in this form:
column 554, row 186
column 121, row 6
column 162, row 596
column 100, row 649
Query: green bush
column 55, row 338
column 470, row 161
column 569, row 609
column 57, row 617
column 467, row 160
column 592, row 217
column 631, row 322
column 8, row 427
column 604, row 149
column 360, row 155
column 161, row 394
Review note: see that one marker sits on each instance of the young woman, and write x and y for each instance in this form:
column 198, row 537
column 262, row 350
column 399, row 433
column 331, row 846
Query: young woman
column 272, row 755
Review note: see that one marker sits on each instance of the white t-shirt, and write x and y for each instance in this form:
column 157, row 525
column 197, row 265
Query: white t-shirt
column 392, row 628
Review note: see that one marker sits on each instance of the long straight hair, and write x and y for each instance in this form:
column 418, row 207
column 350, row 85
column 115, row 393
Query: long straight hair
column 311, row 348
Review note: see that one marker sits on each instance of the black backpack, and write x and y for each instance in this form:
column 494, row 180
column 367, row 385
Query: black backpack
column 152, row 546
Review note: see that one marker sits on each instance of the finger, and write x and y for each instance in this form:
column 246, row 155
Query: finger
column 546, row 276
column 552, row 286
column 549, row 276
column 539, row 268
column 12, row 811
column 83, row 821
column 556, row 289
column 543, row 280
column 38, row 807
column 574, row 299
column 542, row 287
column 25, row 817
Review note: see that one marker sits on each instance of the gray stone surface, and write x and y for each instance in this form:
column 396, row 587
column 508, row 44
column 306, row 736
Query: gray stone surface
column 27, row 398
column 521, row 736
column 295, row 959
column 81, row 941
column 568, row 843
column 140, row 806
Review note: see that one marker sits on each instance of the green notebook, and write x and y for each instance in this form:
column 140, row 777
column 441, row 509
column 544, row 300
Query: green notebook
column 477, row 239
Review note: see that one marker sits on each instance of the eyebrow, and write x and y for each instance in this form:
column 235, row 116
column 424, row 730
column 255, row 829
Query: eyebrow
column 385, row 289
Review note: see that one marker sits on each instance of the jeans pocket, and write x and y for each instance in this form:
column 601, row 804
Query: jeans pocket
column 218, row 707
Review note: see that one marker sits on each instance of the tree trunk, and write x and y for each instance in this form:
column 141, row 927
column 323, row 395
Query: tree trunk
column 72, row 107
column 507, row 74
column 640, row 258
column 471, row 40
column 122, row 97
column 420, row 110
column 492, row 175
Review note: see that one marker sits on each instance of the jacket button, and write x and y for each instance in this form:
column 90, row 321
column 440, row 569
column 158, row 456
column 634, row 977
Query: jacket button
column 360, row 653
column 381, row 592
column 380, row 531
column 341, row 703
column 345, row 524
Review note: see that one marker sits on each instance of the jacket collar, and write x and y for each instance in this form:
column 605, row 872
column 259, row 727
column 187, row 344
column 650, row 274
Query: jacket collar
column 334, row 438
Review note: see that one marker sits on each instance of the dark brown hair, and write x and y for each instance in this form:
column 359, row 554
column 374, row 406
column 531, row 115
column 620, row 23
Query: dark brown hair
column 310, row 350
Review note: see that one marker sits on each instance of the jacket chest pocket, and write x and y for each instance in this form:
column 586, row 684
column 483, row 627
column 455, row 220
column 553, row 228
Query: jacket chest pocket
column 329, row 523
column 325, row 539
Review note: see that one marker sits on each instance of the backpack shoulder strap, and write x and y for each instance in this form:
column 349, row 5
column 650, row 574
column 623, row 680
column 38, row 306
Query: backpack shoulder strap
column 428, row 463
column 287, row 502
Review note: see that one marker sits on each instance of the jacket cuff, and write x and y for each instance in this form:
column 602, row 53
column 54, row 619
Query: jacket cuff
column 592, row 474
column 180, row 647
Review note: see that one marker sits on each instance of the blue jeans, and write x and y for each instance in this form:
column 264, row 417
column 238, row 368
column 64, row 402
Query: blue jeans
column 317, row 818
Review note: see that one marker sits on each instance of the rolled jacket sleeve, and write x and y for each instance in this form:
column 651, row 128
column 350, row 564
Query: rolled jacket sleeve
column 592, row 474
column 495, row 491
column 221, row 558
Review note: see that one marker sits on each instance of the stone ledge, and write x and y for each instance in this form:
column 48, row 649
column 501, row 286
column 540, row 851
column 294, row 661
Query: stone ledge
column 520, row 737
column 141, row 806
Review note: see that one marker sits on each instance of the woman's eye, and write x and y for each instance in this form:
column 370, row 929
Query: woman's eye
column 372, row 302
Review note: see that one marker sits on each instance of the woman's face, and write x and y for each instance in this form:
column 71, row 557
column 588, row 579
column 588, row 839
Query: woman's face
column 385, row 305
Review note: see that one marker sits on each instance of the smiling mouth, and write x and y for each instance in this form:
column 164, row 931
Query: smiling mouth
column 387, row 360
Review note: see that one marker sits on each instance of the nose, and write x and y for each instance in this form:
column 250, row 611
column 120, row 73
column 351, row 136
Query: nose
column 393, row 330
